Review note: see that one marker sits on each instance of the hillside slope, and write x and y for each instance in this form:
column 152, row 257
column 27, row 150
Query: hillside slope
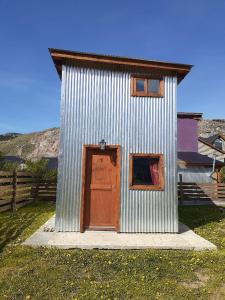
column 34, row 145
column 45, row 143
column 209, row 127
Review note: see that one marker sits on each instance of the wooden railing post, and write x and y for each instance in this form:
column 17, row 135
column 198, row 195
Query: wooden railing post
column 13, row 202
column 181, row 189
column 217, row 176
column 37, row 188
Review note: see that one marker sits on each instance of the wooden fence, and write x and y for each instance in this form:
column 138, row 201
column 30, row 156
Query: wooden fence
column 200, row 191
column 19, row 188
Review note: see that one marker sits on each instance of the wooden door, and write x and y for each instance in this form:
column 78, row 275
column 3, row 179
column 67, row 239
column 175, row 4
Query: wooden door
column 101, row 195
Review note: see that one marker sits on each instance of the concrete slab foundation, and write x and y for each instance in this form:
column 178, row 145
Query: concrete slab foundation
column 186, row 239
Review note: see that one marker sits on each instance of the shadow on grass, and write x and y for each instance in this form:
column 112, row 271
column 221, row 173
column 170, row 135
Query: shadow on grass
column 12, row 225
column 197, row 216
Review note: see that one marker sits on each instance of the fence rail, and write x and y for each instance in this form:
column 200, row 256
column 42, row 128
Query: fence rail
column 20, row 188
column 200, row 191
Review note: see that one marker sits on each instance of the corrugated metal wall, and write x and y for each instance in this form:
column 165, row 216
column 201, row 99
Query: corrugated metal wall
column 195, row 174
column 96, row 104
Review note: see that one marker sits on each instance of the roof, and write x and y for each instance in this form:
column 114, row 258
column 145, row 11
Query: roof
column 209, row 141
column 61, row 57
column 10, row 158
column 52, row 162
column 189, row 115
column 195, row 158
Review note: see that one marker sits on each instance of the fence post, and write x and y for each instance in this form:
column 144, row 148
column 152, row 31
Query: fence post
column 181, row 189
column 37, row 188
column 217, row 176
column 13, row 202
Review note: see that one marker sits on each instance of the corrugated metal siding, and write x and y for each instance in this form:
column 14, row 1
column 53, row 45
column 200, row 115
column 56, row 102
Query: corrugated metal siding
column 206, row 150
column 96, row 104
column 195, row 174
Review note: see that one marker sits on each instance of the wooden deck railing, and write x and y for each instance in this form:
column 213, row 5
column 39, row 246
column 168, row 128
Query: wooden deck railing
column 19, row 188
column 200, row 191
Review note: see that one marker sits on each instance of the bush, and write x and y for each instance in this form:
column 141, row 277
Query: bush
column 39, row 168
column 50, row 175
column 8, row 166
column 222, row 174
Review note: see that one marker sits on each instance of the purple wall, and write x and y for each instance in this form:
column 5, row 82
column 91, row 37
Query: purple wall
column 187, row 135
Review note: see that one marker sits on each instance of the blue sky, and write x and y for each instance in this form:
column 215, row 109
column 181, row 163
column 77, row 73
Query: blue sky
column 190, row 31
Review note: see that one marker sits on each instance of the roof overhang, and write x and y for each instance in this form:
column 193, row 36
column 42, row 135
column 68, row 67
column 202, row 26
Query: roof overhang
column 65, row 57
column 195, row 164
column 189, row 115
column 196, row 159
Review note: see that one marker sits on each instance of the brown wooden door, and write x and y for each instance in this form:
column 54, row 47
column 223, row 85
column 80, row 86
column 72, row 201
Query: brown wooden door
column 101, row 189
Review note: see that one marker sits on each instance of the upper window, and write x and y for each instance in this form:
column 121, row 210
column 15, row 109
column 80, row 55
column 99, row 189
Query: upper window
column 146, row 172
column 148, row 87
column 218, row 144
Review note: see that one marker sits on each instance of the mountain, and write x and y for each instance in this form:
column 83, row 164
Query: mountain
column 45, row 143
column 8, row 136
column 210, row 127
column 33, row 145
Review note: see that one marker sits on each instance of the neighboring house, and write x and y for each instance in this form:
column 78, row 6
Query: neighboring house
column 213, row 146
column 194, row 166
column 13, row 159
column 187, row 131
column 52, row 162
column 117, row 157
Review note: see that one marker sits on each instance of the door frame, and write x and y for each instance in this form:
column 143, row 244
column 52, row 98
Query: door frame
column 87, row 147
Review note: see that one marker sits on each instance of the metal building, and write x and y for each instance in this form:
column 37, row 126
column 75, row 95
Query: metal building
column 195, row 166
column 117, row 157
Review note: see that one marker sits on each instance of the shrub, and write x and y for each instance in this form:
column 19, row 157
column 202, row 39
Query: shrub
column 50, row 175
column 8, row 166
column 39, row 168
column 222, row 174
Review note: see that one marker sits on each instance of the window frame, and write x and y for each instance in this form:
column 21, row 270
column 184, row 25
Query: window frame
column 145, row 93
column 158, row 187
column 218, row 140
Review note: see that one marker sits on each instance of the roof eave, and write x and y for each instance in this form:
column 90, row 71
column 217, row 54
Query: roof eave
column 189, row 115
column 61, row 57
column 199, row 164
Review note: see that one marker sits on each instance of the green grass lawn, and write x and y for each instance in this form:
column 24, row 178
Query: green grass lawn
column 41, row 273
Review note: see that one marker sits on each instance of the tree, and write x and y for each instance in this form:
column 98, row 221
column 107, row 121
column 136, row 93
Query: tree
column 39, row 168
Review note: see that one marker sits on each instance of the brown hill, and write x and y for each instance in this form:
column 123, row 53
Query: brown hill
column 33, row 145
column 209, row 127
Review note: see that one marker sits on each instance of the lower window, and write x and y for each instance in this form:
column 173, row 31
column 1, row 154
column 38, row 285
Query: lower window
column 146, row 172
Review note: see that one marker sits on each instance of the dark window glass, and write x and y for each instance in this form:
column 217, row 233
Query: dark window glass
column 153, row 85
column 218, row 144
column 140, row 85
column 145, row 171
